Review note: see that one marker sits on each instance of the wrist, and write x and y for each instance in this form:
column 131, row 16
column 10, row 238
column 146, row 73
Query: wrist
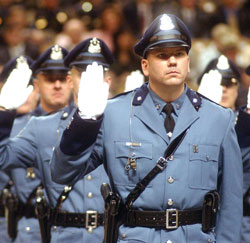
column 87, row 117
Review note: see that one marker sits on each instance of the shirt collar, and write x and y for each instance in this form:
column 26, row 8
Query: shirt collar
column 159, row 103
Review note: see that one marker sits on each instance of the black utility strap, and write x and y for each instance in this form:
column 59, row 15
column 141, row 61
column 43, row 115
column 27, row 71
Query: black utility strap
column 160, row 166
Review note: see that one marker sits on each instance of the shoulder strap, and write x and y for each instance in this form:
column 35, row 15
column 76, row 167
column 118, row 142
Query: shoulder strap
column 160, row 166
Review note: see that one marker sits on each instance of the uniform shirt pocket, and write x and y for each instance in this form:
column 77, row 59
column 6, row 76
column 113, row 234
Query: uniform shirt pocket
column 203, row 166
column 141, row 153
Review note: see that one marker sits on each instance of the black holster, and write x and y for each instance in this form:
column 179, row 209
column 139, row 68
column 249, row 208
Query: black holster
column 41, row 210
column 209, row 210
column 112, row 214
column 11, row 213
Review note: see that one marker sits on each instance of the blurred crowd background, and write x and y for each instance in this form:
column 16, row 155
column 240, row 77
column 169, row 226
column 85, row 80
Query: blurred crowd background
column 217, row 27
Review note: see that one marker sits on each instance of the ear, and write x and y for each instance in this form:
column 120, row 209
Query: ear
column 144, row 66
column 70, row 81
column 36, row 85
column 188, row 64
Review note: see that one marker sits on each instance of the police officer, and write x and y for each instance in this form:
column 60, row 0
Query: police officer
column 76, row 210
column 5, row 181
column 50, row 82
column 27, row 227
column 220, row 82
column 178, row 200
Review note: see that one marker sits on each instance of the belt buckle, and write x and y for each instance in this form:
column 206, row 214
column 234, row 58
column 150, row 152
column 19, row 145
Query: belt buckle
column 92, row 217
column 171, row 224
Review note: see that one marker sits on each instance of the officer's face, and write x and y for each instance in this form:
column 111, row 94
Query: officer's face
column 54, row 89
column 166, row 67
column 229, row 96
column 75, row 76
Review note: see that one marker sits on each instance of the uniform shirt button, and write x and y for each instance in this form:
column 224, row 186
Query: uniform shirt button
column 123, row 236
column 132, row 154
column 169, row 241
column 89, row 177
column 209, row 240
column 178, row 106
column 90, row 195
column 27, row 228
column 171, row 158
column 170, row 202
column 54, row 228
column 170, row 179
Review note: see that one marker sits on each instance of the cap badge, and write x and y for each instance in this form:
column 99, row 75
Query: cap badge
column 94, row 46
column 222, row 63
column 166, row 23
column 56, row 53
column 21, row 62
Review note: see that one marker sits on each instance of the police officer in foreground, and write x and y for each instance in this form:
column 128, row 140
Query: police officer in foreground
column 50, row 82
column 220, row 83
column 181, row 182
column 75, row 211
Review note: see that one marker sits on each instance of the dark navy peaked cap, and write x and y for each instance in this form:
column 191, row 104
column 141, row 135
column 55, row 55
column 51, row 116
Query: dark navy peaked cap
column 166, row 30
column 229, row 71
column 51, row 60
column 89, row 51
column 10, row 65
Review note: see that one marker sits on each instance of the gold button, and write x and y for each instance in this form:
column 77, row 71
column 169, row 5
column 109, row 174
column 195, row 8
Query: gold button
column 27, row 228
column 170, row 202
column 90, row 195
column 170, row 179
column 171, row 158
column 89, row 177
column 123, row 236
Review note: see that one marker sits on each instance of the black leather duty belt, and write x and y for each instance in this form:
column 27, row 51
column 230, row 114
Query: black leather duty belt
column 169, row 219
column 26, row 210
column 1, row 210
column 88, row 220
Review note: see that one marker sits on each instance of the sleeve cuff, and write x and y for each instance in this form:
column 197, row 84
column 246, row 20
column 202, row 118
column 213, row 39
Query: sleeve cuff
column 80, row 134
column 6, row 122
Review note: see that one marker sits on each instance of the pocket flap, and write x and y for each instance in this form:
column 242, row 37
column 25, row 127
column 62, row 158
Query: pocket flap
column 203, row 152
column 124, row 149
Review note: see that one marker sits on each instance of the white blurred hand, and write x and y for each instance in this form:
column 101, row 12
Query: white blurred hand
column 134, row 80
column 15, row 91
column 210, row 86
column 93, row 92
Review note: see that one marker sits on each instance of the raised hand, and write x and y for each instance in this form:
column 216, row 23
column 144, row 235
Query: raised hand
column 15, row 91
column 93, row 92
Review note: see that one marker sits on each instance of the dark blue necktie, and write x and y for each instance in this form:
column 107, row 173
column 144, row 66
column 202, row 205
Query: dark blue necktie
column 169, row 121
